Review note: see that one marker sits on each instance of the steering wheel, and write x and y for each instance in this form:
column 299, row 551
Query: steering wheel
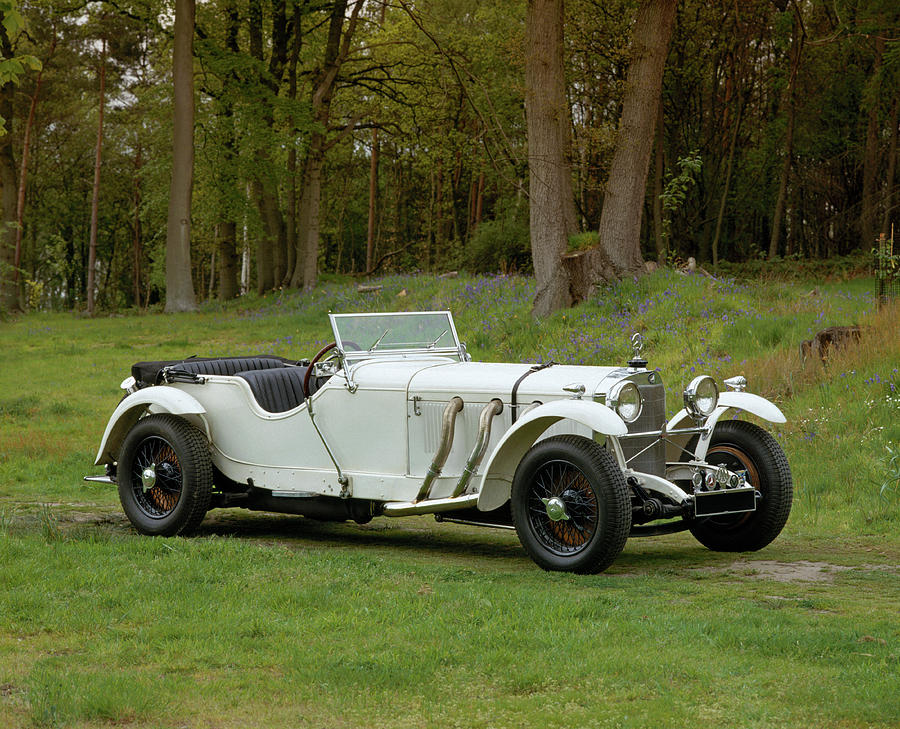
column 321, row 353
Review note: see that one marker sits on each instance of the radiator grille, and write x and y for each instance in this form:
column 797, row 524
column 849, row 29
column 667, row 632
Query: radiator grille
column 652, row 418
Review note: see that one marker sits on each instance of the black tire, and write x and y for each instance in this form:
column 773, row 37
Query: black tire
column 587, row 479
column 175, row 497
column 742, row 446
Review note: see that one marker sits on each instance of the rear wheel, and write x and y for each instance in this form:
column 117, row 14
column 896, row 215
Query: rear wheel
column 570, row 505
column 746, row 448
column 165, row 476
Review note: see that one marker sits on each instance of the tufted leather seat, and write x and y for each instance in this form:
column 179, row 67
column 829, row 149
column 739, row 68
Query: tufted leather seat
column 229, row 365
column 276, row 390
column 150, row 373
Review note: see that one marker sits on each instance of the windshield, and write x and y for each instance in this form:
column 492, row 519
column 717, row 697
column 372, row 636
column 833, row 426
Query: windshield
column 371, row 335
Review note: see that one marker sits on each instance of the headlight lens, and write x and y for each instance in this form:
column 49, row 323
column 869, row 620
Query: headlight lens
column 625, row 399
column 701, row 397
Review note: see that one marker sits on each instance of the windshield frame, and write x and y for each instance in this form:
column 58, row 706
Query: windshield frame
column 352, row 355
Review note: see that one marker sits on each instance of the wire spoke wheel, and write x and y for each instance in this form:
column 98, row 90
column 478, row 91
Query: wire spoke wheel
column 156, row 477
column 165, row 476
column 564, row 481
column 570, row 505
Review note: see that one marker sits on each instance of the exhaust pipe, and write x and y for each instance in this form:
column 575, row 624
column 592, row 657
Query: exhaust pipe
column 448, row 424
column 494, row 407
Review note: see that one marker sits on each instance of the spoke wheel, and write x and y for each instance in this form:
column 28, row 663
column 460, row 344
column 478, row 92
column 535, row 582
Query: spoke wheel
column 156, row 477
column 570, row 505
column 574, row 529
column 746, row 448
column 165, row 476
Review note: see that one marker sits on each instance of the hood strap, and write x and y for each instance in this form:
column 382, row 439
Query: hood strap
column 513, row 404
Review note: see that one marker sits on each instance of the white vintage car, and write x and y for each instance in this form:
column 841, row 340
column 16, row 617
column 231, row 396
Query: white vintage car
column 393, row 418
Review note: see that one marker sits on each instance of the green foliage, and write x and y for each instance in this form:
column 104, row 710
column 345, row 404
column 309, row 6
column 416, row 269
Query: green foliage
column 501, row 244
column 583, row 241
column 677, row 186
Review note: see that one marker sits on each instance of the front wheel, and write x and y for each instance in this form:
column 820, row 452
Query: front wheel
column 570, row 505
column 746, row 448
column 165, row 476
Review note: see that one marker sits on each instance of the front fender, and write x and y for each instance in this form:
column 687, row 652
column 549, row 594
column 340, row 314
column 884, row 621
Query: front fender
column 747, row 401
column 496, row 482
column 161, row 398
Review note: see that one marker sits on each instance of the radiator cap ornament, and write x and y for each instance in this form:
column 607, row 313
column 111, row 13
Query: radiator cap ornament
column 637, row 362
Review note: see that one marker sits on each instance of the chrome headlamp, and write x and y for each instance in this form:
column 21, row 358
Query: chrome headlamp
column 129, row 384
column 625, row 399
column 701, row 397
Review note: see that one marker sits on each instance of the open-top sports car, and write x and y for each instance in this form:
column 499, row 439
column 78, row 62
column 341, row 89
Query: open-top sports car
column 393, row 418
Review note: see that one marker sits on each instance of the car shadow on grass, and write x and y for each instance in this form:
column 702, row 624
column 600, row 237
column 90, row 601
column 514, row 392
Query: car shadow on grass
column 424, row 538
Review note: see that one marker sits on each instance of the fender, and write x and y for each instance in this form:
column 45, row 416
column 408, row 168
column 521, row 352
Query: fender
column 747, row 401
column 162, row 399
column 496, row 483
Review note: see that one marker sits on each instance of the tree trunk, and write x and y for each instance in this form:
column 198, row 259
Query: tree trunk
column 271, row 256
column 337, row 48
column 778, row 215
column 179, row 284
column 23, row 176
column 308, row 262
column 137, row 234
column 8, row 291
column 229, row 260
column 658, row 165
column 225, row 229
column 552, row 207
column 373, row 179
column 373, row 197
column 868, row 212
column 891, row 171
column 623, row 204
column 95, row 195
column 730, row 165
column 291, row 231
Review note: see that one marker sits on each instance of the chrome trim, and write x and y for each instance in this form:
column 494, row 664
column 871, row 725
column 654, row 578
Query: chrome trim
column 659, row 485
column 738, row 383
column 660, row 433
column 448, row 425
column 690, row 398
column 432, row 506
column 614, row 394
column 494, row 407
column 100, row 479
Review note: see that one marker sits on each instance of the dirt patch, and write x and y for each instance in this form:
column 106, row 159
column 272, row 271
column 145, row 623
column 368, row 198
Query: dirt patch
column 763, row 569
column 7, row 690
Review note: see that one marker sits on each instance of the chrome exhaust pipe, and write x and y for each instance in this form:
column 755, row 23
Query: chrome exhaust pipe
column 494, row 407
column 432, row 506
column 448, row 424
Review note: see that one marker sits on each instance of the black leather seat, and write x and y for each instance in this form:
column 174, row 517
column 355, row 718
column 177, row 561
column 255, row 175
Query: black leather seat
column 229, row 365
column 150, row 373
column 276, row 390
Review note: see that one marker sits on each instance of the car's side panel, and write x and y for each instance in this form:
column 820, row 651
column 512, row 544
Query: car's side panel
column 501, row 466
column 156, row 399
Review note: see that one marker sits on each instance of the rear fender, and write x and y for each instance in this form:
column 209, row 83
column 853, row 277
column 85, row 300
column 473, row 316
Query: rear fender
column 496, row 483
column 159, row 399
column 746, row 401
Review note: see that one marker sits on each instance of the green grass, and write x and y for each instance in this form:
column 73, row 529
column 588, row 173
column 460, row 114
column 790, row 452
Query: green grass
column 275, row 621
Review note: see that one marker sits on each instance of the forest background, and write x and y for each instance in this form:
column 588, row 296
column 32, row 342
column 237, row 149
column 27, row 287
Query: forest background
column 394, row 135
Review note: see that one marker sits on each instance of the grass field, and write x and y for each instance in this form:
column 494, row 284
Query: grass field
column 273, row 621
